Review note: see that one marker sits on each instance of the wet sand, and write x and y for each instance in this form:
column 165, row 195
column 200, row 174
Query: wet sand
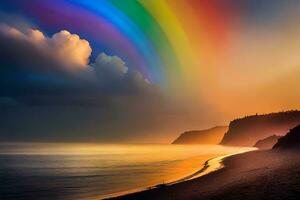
column 254, row 175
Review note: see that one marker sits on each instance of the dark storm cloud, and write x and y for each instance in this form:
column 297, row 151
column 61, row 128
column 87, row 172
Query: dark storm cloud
column 51, row 91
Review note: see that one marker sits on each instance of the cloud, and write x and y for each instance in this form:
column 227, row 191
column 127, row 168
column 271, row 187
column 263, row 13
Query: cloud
column 51, row 80
column 111, row 72
column 70, row 46
column 63, row 51
column 55, row 70
column 111, row 65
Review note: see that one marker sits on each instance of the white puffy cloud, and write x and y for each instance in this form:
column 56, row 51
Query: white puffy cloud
column 65, row 50
column 70, row 46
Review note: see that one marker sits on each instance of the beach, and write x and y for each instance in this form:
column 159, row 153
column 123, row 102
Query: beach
column 269, row 174
column 95, row 171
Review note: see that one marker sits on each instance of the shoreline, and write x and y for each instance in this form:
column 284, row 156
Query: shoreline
column 262, row 174
column 209, row 166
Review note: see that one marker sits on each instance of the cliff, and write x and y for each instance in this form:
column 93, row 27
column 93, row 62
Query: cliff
column 268, row 142
column 290, row 141
column 209, row 136
column 248, row 130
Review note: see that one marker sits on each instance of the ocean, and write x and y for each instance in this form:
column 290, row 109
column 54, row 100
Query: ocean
column 94, row 171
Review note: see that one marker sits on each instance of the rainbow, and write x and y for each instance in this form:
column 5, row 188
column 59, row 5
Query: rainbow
column 166, row 40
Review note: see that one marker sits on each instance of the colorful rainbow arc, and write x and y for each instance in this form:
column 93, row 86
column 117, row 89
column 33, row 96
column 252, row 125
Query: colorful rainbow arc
column 165, row 39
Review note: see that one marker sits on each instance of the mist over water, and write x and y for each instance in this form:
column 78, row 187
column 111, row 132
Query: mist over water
column 90, row 171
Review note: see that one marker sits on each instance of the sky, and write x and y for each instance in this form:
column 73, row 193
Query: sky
column 143, row 70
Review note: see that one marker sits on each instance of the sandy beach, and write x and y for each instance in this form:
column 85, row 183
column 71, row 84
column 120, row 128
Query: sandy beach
column 271, row 174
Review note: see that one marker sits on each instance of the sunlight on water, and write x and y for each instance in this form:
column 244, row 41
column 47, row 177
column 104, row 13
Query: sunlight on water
column 77, row 171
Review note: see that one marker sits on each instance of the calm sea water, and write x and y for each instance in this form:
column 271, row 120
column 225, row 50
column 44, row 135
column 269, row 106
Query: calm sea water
column 93, row 171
